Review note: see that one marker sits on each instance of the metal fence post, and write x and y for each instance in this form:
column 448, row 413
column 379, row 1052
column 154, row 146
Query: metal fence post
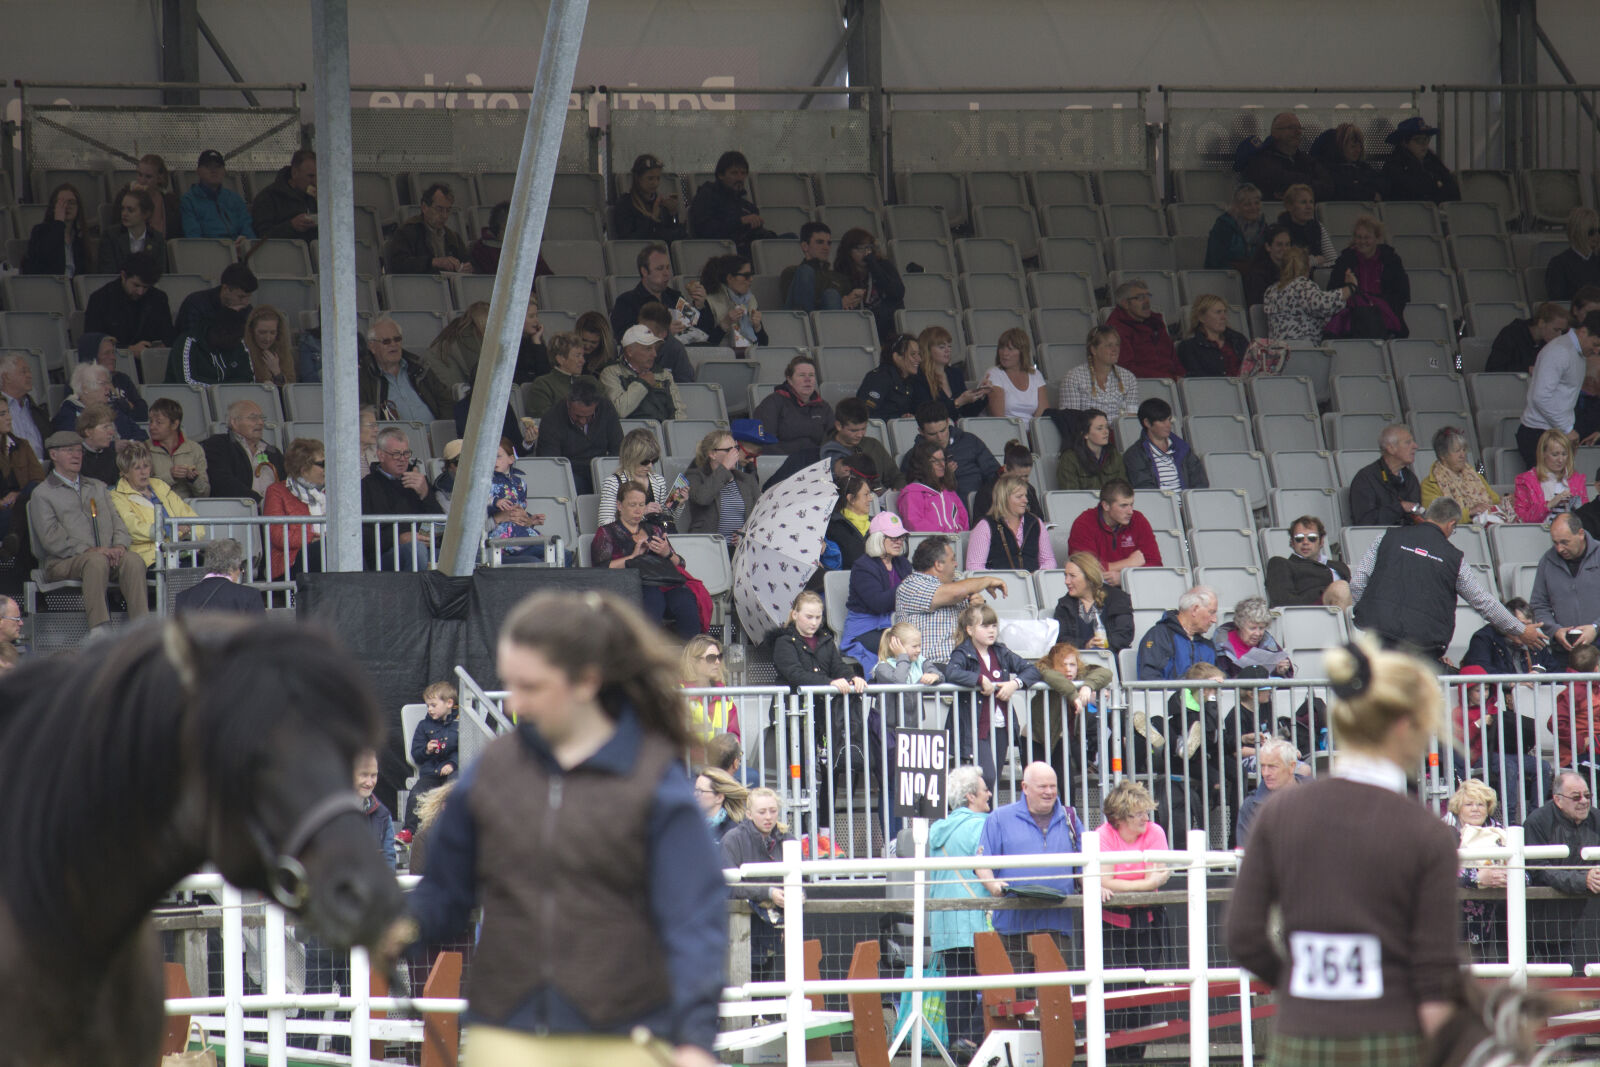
column 1094, row 957
column 794, row 953
column 1199, row 957
column 274, row 977
column 1517, row 908
column 233, row 972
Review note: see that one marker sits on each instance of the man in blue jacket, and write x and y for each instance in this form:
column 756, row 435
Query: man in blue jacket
column 1036, row 824
column 212, row 210
column 1179, row 640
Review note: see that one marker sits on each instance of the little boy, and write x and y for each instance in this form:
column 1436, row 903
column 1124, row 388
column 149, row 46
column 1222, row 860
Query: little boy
column 1574, row 724
column 378, row 817
column 434, row 748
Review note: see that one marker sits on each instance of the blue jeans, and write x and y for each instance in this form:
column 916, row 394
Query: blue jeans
column 676, row 601
column 804, row 295
column 406, row 557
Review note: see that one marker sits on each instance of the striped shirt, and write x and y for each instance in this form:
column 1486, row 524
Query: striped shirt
column 730, row 509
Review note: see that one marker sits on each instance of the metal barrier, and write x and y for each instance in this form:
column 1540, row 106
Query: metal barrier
column 1507, row 127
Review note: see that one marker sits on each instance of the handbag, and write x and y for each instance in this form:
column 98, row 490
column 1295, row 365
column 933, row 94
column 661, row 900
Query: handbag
column 206, row 1056
column 933, row 1009
column 1263, row 356
column 1365, row 319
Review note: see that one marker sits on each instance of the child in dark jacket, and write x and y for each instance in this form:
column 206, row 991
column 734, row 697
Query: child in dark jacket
column 435, row 748
column 982, row 663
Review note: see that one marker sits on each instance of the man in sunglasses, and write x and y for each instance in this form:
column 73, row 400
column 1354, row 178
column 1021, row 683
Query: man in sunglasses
column 1308, row 575
column 1567, row 930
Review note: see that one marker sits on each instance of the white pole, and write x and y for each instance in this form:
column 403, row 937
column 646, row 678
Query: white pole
column 361, row 1017
column 1517, row 909
column 273, row 967
column 1199, row 1015
column 919, row 928
column 1094, row 957
column 794, row 952
column 233, row 973
column 1247, row 1035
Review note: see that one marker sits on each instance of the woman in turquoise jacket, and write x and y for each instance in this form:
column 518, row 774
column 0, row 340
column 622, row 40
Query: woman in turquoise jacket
column 957, row 834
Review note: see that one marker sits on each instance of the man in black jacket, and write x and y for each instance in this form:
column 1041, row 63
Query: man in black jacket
column 132, row 309
column 1280, row 163
column 722, row 209
column 220, row 589
column 237, row 283
column 240, row 463
column 397, row 382
column 1517, row 345
column 1566, row 930
column 288, row 207
column 396, row 486
column 1413, row 171
column 583, row 428
column 655, row 285
column 1387, row 492
column 426, row 244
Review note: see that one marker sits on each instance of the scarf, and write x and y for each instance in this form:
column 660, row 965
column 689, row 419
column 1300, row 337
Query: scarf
column 1467, row 488
column 746, row 328
column 860, row 522
column 313, row 497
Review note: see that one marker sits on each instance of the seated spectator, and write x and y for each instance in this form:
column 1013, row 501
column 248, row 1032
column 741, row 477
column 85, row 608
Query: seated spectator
column 583, row 428
column 1093, row 459
column 970, row 462
column 596, row 340
column 930, row 598
column 1275, row 760
column 20, row 471
column 722, row 209
column 631, row 542
column 97, row 428
column 1213, row 349
column 1381, row 282
column 266, row 338
column 174, row 458
column 232, row 294
column 484, row 252
column 211, row 209
column 981, row 662
column 636, row 465
column 691, row 311
column 1008, row 537
column 154, row 178
column 1386, row 492
column 80, row 535
column 91, row 385
column 874, row 579
column 130, row 308
column 395, row 485
column 293, row 550
column 1244, row 641
column 1577, row 265
column 670, row 353
column 508, row 508
column 1279, row 163
column 1563, row 930
column 1147, row 350
column 1017, row 459
column 1299, row 217
column 396, row 381
column 813, row 284
column 1114, row 534
column 288, row 207
column 1552, row 486
column 1454, row 476
column 1296, row 309
column 876, row 279
column 134, row 235
column 29, row 420
column 213, row 354
column 1557, row 384
column 1574, row 723
column 145, row 503
column 1160, row 459
column 1491, row 650
column 1016, row 388
column 60, row 244
column 929, row 502
column 636, row 387
column 735, row 310
column 427, row 244
column 1178, row 641
column 1101, row 384
column 1343, row 170
column 1236, row 235
column 795, row 412
column 643, row 214
column 124, row 398
column 849, row 441
column 845, row 539
column 1415, row 172
column 453, row 355
column 1308, row 575
column 890, row 389
column 722, row 487
column 1091, row 613
column 944, row 380
column 1517, row 345
column 240, row 462
column 1266, row 266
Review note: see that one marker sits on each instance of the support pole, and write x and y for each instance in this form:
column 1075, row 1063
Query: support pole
column 798, row 1008
column 1199, row 984
column 180, row 50
column 502, row 335
column 336, row 281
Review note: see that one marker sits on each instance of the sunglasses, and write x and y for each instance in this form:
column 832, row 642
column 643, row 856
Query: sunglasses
column 712, row 657
column 1301, row 539
column 744, row 274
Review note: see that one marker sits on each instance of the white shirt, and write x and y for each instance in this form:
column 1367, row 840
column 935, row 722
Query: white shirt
column 23, row 426
column 1553, row 389
column 1020, row 403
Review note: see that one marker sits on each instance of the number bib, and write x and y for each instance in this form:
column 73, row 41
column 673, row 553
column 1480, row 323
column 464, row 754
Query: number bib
column 1336, row 966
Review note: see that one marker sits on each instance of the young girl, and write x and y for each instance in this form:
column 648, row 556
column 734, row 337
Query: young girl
column 900, row 658
column 701, row 668
column 804, row 654
column 1072, row 693
column 982, row 663
column 508, row 507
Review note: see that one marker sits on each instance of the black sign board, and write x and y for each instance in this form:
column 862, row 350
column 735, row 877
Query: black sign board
column 921, row 761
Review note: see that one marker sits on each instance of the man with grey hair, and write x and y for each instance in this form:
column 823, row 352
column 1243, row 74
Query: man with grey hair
column 220, row 590
column 396, row 486
column 1147, row 349
column 1386, row 492
column 1565, row 930
column 1178, row 641
column 1566, row 587
column 397, row 382
column 1405, row 587
column 241, row 462
column 10, row 621
column 957, row 834
column 1038, row 823
column 29, row 420
column 1275, row 761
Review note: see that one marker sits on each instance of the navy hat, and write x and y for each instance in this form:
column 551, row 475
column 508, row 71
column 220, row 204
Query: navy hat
column 211, row 158
column 751, row 432
column 1248, row 149
column 1413, row 127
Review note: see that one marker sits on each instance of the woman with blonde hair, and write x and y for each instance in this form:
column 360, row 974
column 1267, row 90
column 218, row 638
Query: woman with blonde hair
column 1296, row 309
column 1009, row 537
column 266, row 338
column 1016, row 388
column 1213, row 349
column 944, row 380
column 1093, row 614
column 1361, row 879
column 1133, row 936
column 1471, row 810
column 144, row 503
column 1552, row 486
column 722, row 798
column 1576, row 266
column 701, row 668
column 636, row 462
column 1101, row 384
column 1381, row 281
column 1299, row 217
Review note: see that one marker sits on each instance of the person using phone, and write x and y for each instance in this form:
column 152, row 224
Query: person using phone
column 396, row 486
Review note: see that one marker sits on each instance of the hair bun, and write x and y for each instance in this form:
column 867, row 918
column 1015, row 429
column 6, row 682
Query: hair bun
column 1350, row 671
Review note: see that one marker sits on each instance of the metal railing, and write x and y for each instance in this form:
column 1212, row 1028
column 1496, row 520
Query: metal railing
column 1510, row 127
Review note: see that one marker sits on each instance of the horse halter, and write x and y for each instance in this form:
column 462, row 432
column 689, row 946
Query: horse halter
column 286, row 876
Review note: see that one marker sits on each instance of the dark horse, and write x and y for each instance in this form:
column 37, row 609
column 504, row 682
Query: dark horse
column 130, row 765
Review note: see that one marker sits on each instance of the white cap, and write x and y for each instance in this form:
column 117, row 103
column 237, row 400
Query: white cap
column 640, row 335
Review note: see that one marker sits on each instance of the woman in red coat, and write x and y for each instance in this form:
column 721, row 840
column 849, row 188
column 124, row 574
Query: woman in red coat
column 300, row 493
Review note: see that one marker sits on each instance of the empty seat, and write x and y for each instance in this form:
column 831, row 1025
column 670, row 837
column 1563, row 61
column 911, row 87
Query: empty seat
column 943, row 189
column 1414, row 355
column 1056, row 289
column 200, row 255
column 844, row 328
column 574, row 257
column 1494, row 284
column 1298, row 431
column 45, row 332
column 1213, row 187
column 1480, row 251
column 932, row 291
column 1191, row 220
column 1143, row 254
column 1434, row 392
column 416, row 292
column 1213, row 396
column 1471, row 217
column 1430, row 322
column 1219, row 433
column 936, row 256
column 1062, row 187
column 1498, row 391
column 1062, row 506
column 1231, row 584
column 984, row 325
column 988, row 255
column 690, row 256
column 1218, row 509
column 842, row 218
column 851, row 187
column 1135, row 220
column 622, row 258
column 289, row 295
column 775, row 188
column 1312, row 627
column 574, row 224
column 1063, row 325
column 1434, row 286
column 1411, row 216
column 1551, row 195
column 1356, row 429
column 993, row 291
column 283, row 257
column 37, row 292
column 1420, row 250
column 1278, row 395
column 703, row 400
column 1239, row 470
column 1193, row 284
column 1496, row 187
column 573, row 293
column 915, row 221
column 1224, row 548
column 1074, row 220
column 1156, row 588
column 1305, row 469
column 1289, row 504
column 989, row 187
column 1078, row 255
column 1127, row 187
column 844, row 364
column 1487, row 318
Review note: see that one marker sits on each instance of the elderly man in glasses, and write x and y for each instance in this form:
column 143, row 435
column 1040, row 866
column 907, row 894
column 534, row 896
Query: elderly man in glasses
column 397, row 486
column 241, row 462
column 1568, row 930
column 1308, row 575
column 399, row 383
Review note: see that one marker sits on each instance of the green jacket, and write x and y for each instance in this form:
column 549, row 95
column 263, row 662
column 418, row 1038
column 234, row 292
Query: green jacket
column 546, row 391
column 1071, row 473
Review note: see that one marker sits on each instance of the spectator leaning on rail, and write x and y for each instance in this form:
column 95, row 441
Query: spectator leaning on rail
column 395, row 486
column 427, row 244
column 1147, row 350
column 1566, row 587
column 288, row 207
column 1386, row 491
column 1566, row 930
column 1115, row 534
column 1406, row 585
column 1557, row 380
column 210, row 208
column 130, row 307
column 1160, row 459
column 1178, row 641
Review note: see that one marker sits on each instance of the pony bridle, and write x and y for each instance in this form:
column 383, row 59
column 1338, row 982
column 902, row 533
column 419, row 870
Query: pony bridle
column 286, row 875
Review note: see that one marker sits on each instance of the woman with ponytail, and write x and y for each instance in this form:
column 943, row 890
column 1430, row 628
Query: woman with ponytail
column 1363, row 877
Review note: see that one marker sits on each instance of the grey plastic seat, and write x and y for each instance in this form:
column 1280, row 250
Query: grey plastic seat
column 988, row 254
column 990, row 290
column 1191, row 220
column 1413, row 355
column 983, row 325
column 1127, row 187
column 842, row 218
column 1078, row 255
column 1480, row 251
column 1218, row 509
column 1551, row 195
column 1430, row 322
column 1224, row 548
column 1497, row 187
column 1156, row 588
column 1213, row 396
column 1061, row 325
column 931, row 291
column 1138, row 254
column 690, row 256
column 1434, row 392
column 918, row 221
column 1061, row 187
column 1289, row 504
column 1279, row 395
column 844, row 328
column 1411, row 216
column 1473, row 217
column 1486, row 319
column 1295, row 431
column 1420, row 250
column 1219, row 433
column 1194, row 284
column 1074, row 220
column 1135, row 220
column 851, row 187
column 1205, row 186
column 932, row 255
column 1239, row 470
column 1498, row 391
column 416, row 292
column 1057, row 289
column 990, row 187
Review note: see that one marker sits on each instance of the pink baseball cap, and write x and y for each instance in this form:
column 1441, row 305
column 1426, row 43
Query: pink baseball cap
column 888, row 524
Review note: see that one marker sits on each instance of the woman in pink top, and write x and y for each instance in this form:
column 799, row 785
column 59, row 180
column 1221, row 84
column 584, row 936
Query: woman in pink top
column 1552, row 486
column 1134, row 936
column 928, row 503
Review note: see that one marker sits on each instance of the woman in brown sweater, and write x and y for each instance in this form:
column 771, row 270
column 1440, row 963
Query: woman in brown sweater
column 1364, row 878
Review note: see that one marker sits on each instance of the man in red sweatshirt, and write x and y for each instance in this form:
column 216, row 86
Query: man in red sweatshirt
column 1147, row 349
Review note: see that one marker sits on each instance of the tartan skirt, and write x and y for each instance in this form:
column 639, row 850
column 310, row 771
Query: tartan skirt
column 1365, row 1050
